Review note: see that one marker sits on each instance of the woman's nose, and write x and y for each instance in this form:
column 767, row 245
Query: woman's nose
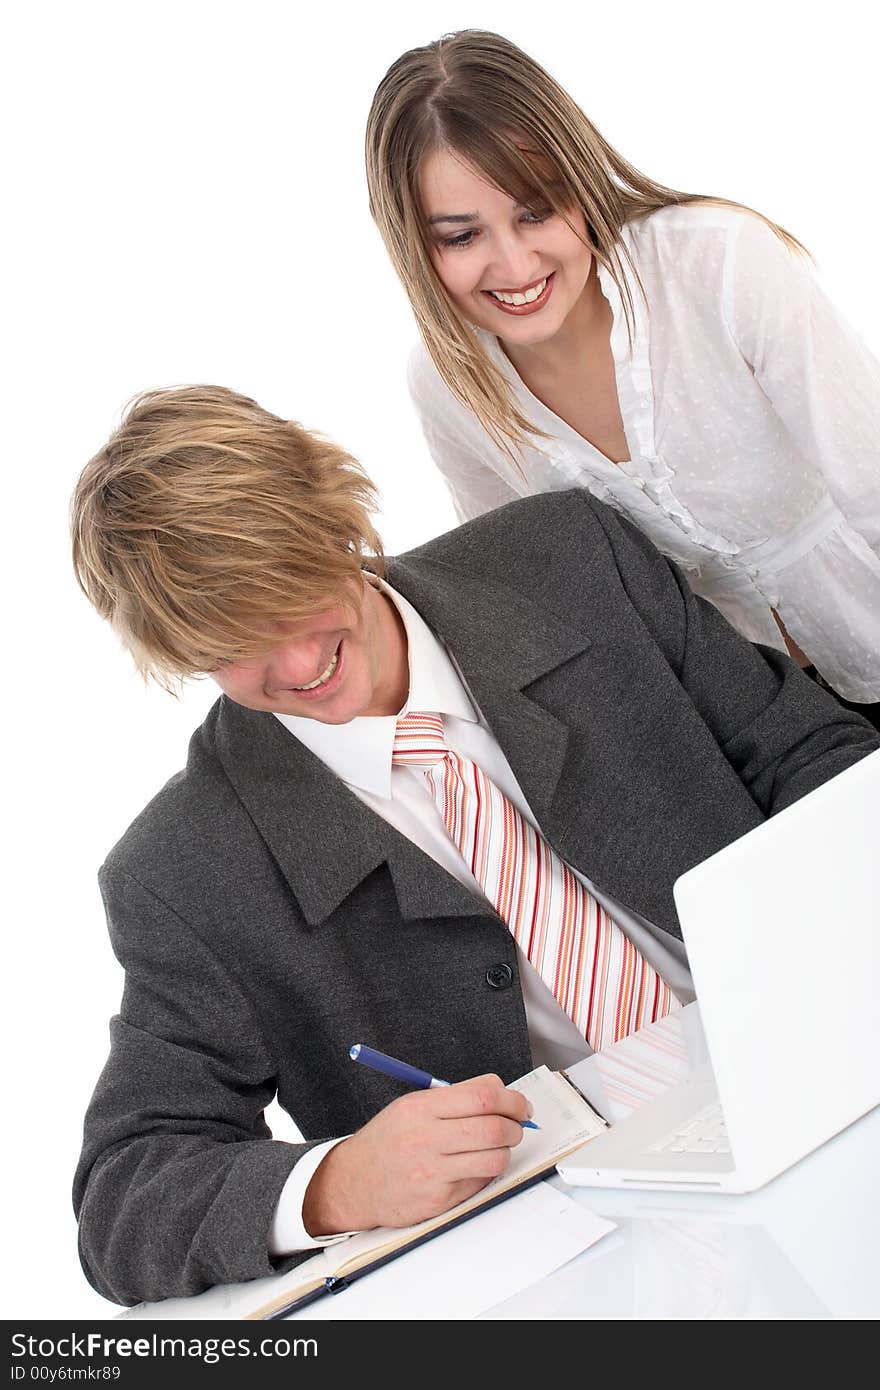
column 513, row 265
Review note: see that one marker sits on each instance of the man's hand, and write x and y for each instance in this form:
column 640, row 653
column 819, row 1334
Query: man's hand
column 417, row 1158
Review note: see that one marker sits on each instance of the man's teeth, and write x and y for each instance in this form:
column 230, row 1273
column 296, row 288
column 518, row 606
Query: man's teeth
column 521, row 297
column 324, row 676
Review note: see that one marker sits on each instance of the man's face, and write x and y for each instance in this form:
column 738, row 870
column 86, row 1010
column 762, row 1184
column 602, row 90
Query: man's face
column 347, row 660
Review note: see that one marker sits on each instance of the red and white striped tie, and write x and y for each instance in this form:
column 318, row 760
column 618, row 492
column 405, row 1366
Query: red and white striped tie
column 599, row 978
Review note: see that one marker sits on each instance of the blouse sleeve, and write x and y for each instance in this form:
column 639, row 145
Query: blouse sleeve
column 820, row 378
column 465, row 463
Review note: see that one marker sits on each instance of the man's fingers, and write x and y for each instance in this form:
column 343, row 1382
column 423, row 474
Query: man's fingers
column 478, row 1164
column 481, row 1095
column 474, row 1133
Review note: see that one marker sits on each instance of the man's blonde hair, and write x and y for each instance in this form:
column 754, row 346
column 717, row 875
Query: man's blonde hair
column 205, row 520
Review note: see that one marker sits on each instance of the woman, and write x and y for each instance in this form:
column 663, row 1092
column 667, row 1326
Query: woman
column 585, row 326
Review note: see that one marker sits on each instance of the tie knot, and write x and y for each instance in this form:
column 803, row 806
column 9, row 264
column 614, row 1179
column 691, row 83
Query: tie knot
column 419, row 740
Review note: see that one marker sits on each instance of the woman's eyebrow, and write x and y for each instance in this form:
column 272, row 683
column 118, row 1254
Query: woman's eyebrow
column 453, row 217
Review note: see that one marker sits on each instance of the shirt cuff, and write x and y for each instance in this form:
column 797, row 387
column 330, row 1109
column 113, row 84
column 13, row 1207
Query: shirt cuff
column 287, row 1232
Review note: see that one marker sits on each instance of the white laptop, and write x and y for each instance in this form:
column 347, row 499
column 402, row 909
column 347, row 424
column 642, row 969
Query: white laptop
column 782, row 930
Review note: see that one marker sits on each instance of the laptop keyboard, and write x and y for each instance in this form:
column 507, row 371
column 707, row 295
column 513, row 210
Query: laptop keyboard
column 704, row 1133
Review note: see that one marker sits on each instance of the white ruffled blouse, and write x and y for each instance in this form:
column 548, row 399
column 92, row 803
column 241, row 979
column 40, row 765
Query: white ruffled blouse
column 752, row 415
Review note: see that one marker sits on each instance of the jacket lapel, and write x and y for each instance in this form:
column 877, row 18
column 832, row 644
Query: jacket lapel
column 503, row 644
column 542, row 703
column 323, row 838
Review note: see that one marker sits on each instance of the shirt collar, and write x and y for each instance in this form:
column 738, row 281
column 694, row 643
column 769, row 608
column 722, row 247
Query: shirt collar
column 360, row 751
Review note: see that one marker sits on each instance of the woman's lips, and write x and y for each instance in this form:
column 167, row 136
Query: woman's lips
column 519, row 309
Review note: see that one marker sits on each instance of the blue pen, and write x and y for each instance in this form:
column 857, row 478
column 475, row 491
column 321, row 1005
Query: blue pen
column 402, row 1071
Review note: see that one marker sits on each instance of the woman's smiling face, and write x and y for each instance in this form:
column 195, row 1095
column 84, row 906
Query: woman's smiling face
column 516, row 272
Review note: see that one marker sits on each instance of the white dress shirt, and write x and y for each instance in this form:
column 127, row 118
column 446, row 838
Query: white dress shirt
column 360, row 754
column 752, row 416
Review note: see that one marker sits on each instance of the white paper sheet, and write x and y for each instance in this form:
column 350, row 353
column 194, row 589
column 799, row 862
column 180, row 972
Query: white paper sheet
column 470, row 1268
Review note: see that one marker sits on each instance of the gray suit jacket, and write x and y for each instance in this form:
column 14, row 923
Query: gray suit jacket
column 266, row 919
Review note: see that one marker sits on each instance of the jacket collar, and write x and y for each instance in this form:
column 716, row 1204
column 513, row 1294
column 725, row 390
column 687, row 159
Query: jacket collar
column 503, row 643
column 323, row 838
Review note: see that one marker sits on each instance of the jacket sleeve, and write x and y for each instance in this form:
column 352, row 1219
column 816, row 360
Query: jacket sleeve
column 179, row 1177
column 780, row 732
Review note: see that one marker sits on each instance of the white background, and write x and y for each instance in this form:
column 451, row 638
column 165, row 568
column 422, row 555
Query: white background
column 185, row 202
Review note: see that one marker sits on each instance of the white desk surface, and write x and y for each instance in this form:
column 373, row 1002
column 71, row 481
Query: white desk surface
column 805, row 1246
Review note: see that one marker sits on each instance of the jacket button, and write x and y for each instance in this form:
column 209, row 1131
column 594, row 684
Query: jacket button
column 499, row 976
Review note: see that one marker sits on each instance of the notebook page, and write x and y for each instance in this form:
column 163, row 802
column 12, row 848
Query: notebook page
column 565, row 1122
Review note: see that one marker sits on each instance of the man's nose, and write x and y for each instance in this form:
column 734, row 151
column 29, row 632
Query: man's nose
column 298, row 662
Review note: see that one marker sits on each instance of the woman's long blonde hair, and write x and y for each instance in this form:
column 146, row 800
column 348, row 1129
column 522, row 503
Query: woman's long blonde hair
column 476, row 93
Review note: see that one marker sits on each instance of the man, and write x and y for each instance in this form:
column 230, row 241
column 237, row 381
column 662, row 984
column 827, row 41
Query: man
column 439, row 812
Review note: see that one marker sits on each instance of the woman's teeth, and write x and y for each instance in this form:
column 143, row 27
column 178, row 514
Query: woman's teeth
column 324, row 676
column 521, row 296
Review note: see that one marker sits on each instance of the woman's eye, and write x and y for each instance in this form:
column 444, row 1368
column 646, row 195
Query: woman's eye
column 462, row 239
column 537, row 217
